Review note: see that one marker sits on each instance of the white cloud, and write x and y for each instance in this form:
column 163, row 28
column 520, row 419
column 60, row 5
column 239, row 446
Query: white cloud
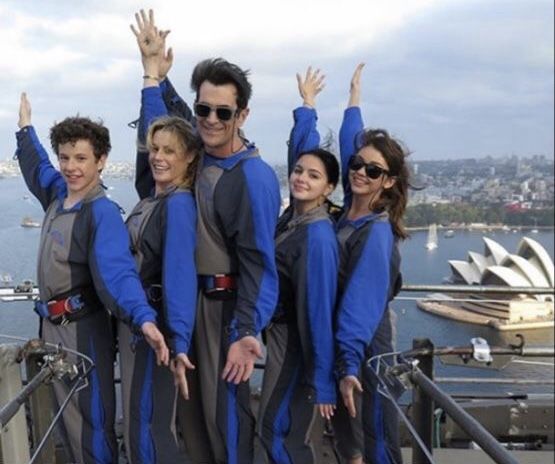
column 427, row 60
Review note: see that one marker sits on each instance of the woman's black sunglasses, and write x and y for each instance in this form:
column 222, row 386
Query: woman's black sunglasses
column 223, row 113
column 373, row 171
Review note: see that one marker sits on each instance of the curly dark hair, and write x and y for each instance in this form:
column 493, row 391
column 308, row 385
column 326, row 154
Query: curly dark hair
column 220, row 72
column 72, row 129
column 393, row 200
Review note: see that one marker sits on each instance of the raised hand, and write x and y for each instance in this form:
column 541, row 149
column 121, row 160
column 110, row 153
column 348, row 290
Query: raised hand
column 348, row 386
column 155, row 339
column 24, row 111
column 310, row 86
column 354, row 92
column 165, row 61
column 152, row 45
column 179, row 368
column 241, row 357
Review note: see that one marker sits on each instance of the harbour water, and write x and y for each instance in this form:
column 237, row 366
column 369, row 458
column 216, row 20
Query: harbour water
column 18, row 249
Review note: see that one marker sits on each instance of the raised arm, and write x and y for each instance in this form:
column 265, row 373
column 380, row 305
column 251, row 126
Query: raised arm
column 152, row 45
column 351, row 126
column 304, row 134
column 158, row 97
column 43, row 180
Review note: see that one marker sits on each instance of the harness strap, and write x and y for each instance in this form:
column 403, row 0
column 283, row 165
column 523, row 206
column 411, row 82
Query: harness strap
column 218, row 282
column 63, row 310
column 218, row 286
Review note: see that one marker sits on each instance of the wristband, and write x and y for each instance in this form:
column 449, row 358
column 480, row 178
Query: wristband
column 146, row 76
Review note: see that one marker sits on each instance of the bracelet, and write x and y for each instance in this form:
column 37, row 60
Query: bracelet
column 146, row 76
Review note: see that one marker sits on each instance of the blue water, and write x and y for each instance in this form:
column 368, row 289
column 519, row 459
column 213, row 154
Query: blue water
column 18, row 249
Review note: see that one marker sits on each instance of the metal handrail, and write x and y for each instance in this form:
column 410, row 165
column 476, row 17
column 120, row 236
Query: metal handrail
column 26, row 292
column 471, row 426
column 450, row 288
column 55, row 365
column 414, row 368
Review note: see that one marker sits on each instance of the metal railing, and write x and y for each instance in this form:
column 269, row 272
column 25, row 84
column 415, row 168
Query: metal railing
column 414, row 369
column 44, row 362
column 28, row 291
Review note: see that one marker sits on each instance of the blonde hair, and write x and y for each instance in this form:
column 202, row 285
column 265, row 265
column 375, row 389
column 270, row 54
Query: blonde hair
column 186, row 136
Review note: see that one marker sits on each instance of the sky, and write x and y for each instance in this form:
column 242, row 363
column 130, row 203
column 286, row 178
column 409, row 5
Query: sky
column 450, row 78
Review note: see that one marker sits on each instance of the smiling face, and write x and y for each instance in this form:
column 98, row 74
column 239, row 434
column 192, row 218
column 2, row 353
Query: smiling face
column 309, row 182
column 168, row 160
column 363, row 186
column 220, row 138
column 80, row 167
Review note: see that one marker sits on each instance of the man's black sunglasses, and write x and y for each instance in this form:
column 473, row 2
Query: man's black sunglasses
column 373, row 171
column 223, row 113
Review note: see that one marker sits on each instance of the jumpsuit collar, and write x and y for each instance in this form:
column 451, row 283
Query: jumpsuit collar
column 231, row 161
column 96, row 192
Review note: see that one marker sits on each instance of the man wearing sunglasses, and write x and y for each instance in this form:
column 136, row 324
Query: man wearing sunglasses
column 238, row 202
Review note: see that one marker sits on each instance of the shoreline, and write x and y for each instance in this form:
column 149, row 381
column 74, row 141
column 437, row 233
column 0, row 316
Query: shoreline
column 483, row 227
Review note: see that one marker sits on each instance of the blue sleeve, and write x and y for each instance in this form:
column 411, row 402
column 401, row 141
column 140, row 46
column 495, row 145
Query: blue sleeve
column 174, row 103
column 304, row 135
column 253, row 232
column 43, row 180
column 351, row 126
column 365, row 298
column 179, row 275
column 321, row 278
column 115, row 277
column 152, row 107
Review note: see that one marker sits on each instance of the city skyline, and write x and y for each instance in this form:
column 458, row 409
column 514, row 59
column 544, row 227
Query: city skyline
column 451, row 78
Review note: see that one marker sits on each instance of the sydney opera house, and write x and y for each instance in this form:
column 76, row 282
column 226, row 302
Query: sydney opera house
column 530, row 266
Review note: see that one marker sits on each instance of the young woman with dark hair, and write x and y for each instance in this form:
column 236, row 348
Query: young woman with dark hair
column 298, row 379
column 375, row 181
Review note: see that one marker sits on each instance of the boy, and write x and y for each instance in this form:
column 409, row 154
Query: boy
column 84, row 266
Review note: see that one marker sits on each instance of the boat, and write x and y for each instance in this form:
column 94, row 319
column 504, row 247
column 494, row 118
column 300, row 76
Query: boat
column 529, row 267
column 431, row 243
column 5, row 279
column 450, row 233
column 30, row 222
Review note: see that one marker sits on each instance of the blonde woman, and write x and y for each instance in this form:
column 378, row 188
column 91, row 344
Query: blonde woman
column 162, row 229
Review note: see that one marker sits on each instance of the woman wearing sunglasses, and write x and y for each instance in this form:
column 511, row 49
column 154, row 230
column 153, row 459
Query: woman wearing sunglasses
column 298, row 381
column 375, row 180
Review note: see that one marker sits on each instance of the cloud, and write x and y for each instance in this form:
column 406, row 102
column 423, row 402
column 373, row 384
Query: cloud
column 457, row 65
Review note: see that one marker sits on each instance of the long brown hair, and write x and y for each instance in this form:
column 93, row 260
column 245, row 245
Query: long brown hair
column 393, row 200
column 188, row 139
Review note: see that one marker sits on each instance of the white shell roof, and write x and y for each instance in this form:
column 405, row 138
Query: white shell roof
column 509, row 276
column 480, row 261
column 495, row 250
column 465, row 271
column 536, row 277
column 531, row 266
column 532, row 251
